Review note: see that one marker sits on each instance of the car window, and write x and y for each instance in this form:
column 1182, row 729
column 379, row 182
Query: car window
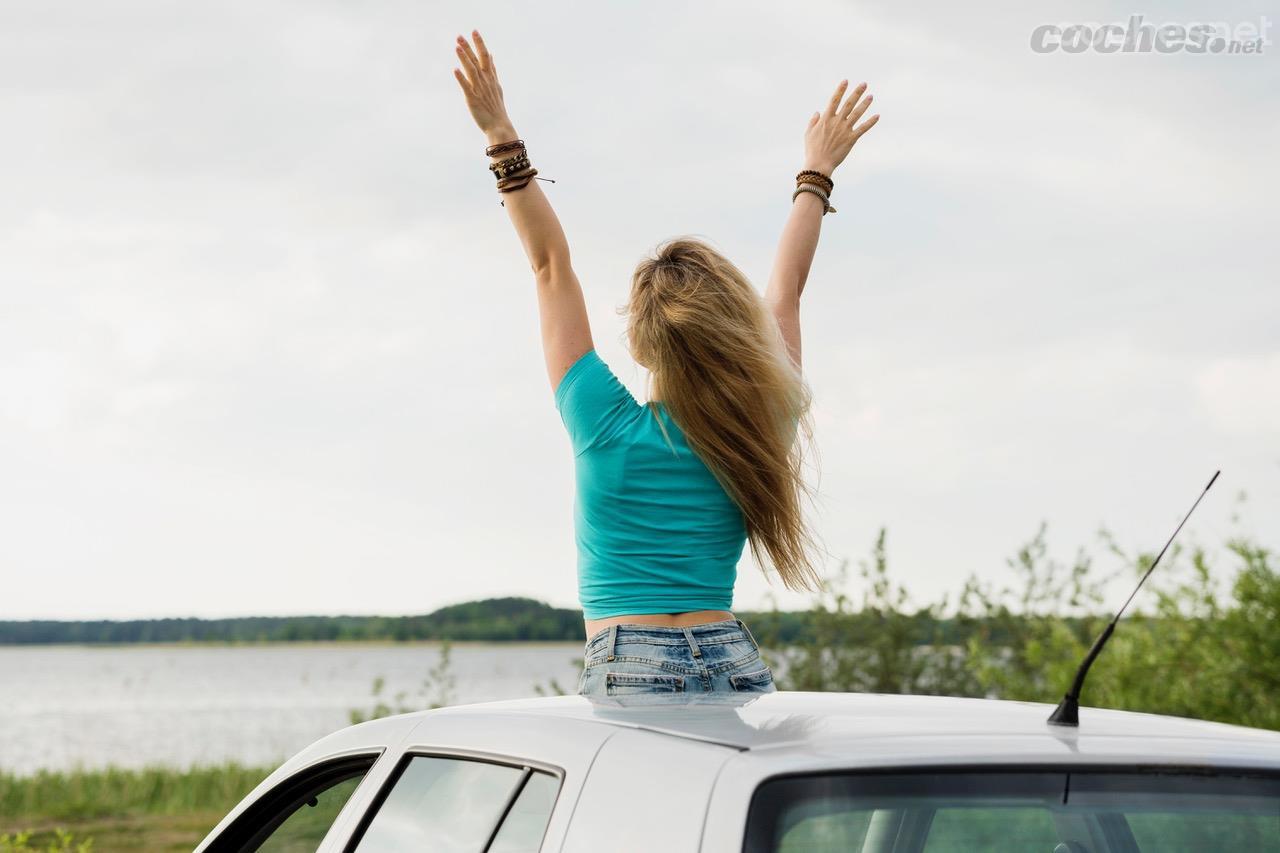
column 523, row 827
column 957, row 812
column 1190, row 833
column 1009, row 828
column 303, row 830
column 296, row 814
column 451, row 805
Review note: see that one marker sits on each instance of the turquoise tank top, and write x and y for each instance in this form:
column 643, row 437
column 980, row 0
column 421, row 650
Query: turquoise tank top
column 656, row 532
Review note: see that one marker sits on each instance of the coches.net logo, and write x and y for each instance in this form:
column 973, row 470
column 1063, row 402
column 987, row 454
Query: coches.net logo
column 1138, row 36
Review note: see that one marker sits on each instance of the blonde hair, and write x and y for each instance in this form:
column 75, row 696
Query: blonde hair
column 718, row 363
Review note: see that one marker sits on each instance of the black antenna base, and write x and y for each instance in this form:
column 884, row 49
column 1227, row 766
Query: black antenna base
column 1067, row 713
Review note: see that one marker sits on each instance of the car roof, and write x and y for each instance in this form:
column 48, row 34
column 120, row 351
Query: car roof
column 786, row 718
column 795, row 729
column 769, row 734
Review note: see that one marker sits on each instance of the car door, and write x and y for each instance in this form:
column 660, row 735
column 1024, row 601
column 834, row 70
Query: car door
column 455, row 802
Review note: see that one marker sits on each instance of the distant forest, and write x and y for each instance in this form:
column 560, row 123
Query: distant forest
column 492, row 619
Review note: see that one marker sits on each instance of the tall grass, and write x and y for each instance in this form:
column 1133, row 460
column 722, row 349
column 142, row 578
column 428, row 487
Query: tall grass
column 115, row 792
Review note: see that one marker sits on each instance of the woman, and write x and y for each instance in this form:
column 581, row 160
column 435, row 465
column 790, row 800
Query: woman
column 669, row 492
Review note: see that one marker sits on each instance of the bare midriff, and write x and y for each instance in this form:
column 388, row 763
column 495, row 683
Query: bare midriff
column 673, row 620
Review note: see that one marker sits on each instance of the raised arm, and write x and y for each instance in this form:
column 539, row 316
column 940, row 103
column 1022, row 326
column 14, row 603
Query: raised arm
column 566, row 331
column 827, row 141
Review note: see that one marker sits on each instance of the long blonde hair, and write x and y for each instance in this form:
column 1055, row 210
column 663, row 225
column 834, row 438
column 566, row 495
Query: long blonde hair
column 718, row 363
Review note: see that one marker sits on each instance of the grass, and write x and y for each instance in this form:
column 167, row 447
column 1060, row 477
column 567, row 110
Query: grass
column 152, row 808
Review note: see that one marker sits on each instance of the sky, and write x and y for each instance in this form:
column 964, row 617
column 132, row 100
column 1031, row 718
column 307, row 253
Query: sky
column 269, row 343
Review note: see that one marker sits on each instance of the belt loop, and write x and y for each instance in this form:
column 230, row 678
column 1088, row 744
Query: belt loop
column 613, row 638
column 747, row 631
column 693, row 644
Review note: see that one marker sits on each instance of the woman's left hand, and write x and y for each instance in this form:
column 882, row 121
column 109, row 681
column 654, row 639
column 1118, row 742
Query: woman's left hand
column 480, row 85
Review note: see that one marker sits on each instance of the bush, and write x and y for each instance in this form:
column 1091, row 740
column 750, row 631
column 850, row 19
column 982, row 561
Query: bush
column 1195, row 653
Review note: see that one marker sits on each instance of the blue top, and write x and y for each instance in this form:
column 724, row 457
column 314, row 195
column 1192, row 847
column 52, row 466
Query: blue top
column 656, row 531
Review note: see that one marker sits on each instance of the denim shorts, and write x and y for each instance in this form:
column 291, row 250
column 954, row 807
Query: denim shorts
column 633, row 658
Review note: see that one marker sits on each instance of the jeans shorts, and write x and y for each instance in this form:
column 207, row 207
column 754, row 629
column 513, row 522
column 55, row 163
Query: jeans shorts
column 633, row 658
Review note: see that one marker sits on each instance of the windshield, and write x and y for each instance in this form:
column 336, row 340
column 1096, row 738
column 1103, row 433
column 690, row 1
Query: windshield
column 1059, row 811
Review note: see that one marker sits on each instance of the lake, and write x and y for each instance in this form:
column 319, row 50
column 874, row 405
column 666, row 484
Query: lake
column 90, row 706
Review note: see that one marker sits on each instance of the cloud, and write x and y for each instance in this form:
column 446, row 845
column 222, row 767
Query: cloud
column 268, row 343
column 1241, row 396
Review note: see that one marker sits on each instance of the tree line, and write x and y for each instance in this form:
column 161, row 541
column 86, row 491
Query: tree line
column 508, row 619
column 493, row 619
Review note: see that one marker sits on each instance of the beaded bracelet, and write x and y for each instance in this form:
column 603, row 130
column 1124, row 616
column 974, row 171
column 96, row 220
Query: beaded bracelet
column 503, row 168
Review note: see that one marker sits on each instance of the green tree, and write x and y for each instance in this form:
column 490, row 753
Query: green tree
column 1195, row 652
column 875, row 645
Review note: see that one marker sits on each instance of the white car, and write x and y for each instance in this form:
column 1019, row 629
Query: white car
column 784, row 771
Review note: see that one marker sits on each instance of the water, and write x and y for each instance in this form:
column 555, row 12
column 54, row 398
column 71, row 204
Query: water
column 130, row 706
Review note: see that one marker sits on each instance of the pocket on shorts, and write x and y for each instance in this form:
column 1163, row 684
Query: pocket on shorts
column 740, row 652
column 632, row 683
column 755, row 681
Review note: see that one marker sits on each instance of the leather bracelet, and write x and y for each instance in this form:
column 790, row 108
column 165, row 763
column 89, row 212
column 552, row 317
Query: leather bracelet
column 512, row 164
column 503, row 147
column 814, row 176
column 518, row 186
column 507, row 161
column 825, row 191
column 511, row 179
column 514, row 172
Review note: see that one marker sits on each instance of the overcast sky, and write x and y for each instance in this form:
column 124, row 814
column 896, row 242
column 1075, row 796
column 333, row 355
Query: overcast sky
column 268, row 342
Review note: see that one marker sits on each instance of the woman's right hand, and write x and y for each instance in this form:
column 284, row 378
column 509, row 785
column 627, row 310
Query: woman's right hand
column 831, row 134
column 481, row 88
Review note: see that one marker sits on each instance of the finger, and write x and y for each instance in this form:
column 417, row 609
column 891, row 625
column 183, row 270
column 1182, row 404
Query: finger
column 486, row 60
column 469, row 65
column 813, row 119
column 462, row 81
column 865, row 126
column 852, row 100
column 860, row 109
column 835, row 99
column 470, row 54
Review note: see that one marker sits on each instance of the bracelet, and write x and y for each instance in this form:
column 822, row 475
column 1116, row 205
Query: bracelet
column 816, row 190
column 521, row 185
column 503, row 147
column 813, row 176
column 514, row 179
column 514, row 172
column 821, row 185
column 514, row 158
column 503, row 168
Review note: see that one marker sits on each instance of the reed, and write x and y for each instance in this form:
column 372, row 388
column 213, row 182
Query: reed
column 149, row 808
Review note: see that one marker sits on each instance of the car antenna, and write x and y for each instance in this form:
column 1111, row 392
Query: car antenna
column 1068, row 711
